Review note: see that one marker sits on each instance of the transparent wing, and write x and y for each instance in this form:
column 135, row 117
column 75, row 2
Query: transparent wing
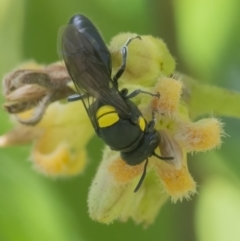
column 88, row 71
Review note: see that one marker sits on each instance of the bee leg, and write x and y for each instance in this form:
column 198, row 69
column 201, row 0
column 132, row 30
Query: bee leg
column 124, row 52
column 122, row 67
column 151, row 124
column 164, row 158
column 76, row 97
column 139, row 91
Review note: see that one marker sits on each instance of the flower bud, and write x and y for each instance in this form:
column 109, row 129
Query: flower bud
column 147, row 58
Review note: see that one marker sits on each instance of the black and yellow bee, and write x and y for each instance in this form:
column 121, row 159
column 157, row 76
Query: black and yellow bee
column 115, row 118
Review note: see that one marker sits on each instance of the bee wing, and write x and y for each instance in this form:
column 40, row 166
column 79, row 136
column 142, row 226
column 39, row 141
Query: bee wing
column 88, row 71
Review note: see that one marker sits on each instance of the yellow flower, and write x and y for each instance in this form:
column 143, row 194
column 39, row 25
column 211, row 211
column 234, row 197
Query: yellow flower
column 111, row 194
column 61, row 134
column 59, row 139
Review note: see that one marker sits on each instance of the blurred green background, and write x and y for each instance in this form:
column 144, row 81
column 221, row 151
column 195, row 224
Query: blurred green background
column 204, row 38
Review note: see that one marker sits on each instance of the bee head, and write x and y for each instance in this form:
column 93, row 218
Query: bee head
column 145, row 149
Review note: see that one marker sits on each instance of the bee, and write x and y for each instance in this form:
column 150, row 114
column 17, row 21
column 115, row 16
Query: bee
column 114, row 117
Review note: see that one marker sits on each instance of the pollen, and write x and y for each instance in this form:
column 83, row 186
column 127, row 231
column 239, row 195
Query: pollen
column 202, row 135
column 122, row 172
column 170, row 92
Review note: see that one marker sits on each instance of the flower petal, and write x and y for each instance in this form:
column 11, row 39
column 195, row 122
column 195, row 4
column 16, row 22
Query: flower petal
column 144, row 206
column 112, row 196
column 170, row 148
column 62, row 161
column 202, row 135
column 122, row 172
column 19, row 136
column 107, row 197
column 170, row 92
column 66, row 130
column 176, row 179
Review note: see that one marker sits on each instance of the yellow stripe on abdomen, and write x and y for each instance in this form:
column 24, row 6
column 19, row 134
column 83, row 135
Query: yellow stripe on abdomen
column 107, row 116
column 142, row 123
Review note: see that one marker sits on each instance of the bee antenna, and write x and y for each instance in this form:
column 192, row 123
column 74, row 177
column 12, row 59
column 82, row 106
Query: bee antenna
column 162, row 157
column 142, row 177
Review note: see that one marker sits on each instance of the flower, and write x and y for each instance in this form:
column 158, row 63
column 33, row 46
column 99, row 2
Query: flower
column 179, row 135
column 60, row 139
